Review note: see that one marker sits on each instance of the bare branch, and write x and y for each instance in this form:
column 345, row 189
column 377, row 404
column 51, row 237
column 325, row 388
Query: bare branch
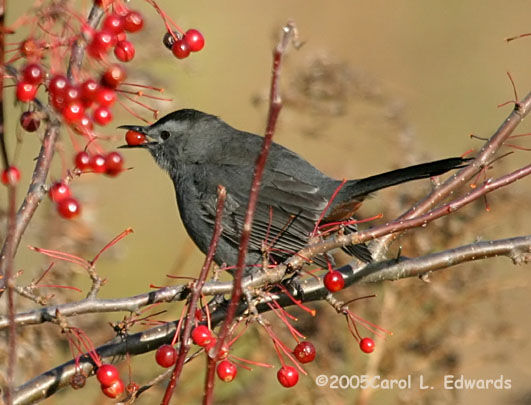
column 275, row 104
column 307, row 290
column 36, row 190
column 483, row 158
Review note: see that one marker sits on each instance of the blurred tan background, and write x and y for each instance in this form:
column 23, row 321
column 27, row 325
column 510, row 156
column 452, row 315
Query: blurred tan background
column 377, row 85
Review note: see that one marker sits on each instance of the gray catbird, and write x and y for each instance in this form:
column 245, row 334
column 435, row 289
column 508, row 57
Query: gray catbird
column 200, row 152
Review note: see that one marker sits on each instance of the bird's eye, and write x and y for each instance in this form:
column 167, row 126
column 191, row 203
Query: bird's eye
column 164, row 135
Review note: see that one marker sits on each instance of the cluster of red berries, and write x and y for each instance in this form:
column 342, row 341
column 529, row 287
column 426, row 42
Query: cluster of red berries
column 110, row 164
column 32, row 75
column 73, row 102
column 70, row 100
column 202, row 336
column 113, row 34
column 166, row 355
column 67, row 206
column 304, row 352
column 191, row 41
column 109, row 378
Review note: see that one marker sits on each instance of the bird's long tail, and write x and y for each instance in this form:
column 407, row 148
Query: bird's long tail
column 362, row 187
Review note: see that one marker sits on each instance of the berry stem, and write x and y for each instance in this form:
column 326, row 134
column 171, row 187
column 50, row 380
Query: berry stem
column 67, row 257
column 111, row 243
column 141, row 94
column 167, row 20
column 144, row 86
column 130, row 111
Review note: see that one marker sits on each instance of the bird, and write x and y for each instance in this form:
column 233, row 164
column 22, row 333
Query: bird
column 200, row 151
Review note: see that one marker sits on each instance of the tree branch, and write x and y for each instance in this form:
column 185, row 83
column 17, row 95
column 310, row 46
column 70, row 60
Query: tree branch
column 307, row 290
column 36, row 190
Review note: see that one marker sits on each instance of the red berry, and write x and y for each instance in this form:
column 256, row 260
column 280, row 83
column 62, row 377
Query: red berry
column 166, row 356
column 367, row 345
column 124, row 51
column 101, row 43
column 30, row 121
column 74, row 111
column 105, row 96
column 33, row 73
column 113, row 76
column 59, row 191
column 26, row 91
column 57, row 85
column 304, row 352
column 202, row 336
column 89, row 90
column 180, row 49
column 134, row 138
column 113, row 164
column 10, row 176
column 333, row 281
column 97, row 163
column 287, row 376
column 72, row 93
column 194, row 39
column 68, row 208
column 226, row 371
column 107, row 374
column 82, row 160
column 113, row 23
column 113, row 390
column 62, row 92
column 121, row 36
column 84, row 125
column 133, row 21
column 102, row 115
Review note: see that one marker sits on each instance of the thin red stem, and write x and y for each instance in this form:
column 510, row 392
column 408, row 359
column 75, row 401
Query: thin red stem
column 196, row 293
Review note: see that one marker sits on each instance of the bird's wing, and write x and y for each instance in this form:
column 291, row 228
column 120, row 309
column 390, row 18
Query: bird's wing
column 285, row 214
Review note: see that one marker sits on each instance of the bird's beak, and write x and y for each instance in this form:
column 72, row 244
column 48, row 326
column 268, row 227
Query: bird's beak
column 136, row 128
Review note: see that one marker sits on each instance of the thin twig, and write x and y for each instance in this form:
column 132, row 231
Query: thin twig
column 515, row 248
column 275, row 104
column 11, row 343
column 483, row 159
column 196, row 293
column 518, row 249
column 36, row 190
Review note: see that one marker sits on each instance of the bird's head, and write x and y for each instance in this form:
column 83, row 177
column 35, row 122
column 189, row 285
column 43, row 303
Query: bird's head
column 176, row 137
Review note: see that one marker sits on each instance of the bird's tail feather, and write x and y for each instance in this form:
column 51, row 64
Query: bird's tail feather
column 362, row 187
